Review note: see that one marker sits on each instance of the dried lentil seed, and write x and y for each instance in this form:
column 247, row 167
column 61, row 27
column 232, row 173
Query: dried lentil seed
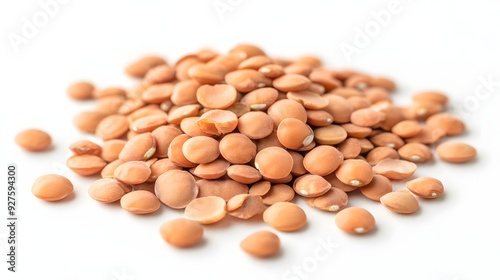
column 34, row 140
column 402, row 202
column 355, row 220
column 206, row 210
column 176, row 188
column 456, row 152
column 262, row 244
column 378, row 187
column 52, row 187
column 354, row 172
column 415, row 152
column 133, row 172
column 140, row 202
column 333, row 200
column 85, row 165
column 310, row 185
column 285, row 216
column 108, row 190
column 426, row 187
column 182, row 232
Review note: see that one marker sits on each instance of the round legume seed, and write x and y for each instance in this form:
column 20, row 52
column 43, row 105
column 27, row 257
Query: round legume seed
column 354, row 172
column 255, row 125
column 85, row 165
column 318, row 118
column 339, row 108
column 217, row 122
column 217, row 96
column 356, row 131
column 285, row 216
column 292, row 82
column 355, row 220
column 286, row 108
column 266, row 159
column 207, row 73
column 140, row 202
column 185, row 92
column 366, row 117
column 350, row 148
column 83, row 147
column 415, row 152
column 426, row 187
column 378, row 187
column 206, row 210
column 332, row 201
column 387, row 139
column 108, row 190
column 159, row 74
column 244, row 174
column 140, row 147
column 181, row 232
column 431, row 96
column 294, row 134
column 310, row 185
column 456, row 152
column 133, row 172
column 211, row 170
column 34, row 140
column 201, row 149
column 329, row 135
column 237, row 148
column 247, row 49
column 402, row 202
column 176, row 188
column 323, row 160
column 112, row 127
column 81, row 90
column 406, row 128
column 260, row 99
column 52, row 187
column 158, row 93
column 262, row 244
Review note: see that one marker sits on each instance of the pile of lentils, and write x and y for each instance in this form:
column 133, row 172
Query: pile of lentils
column 243, row 134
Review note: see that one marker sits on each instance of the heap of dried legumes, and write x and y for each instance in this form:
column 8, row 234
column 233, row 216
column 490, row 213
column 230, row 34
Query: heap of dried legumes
column 243, row 134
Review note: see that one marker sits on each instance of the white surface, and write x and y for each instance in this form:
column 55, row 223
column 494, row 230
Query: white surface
column 444, row 45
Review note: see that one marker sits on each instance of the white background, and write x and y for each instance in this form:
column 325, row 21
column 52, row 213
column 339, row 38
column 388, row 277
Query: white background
column 443, row 45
